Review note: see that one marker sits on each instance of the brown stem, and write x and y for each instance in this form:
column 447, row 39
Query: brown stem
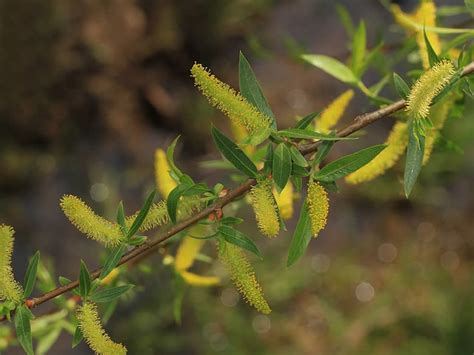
column 358, row 123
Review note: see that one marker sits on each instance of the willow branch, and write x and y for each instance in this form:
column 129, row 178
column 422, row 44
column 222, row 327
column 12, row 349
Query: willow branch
column 358, row 123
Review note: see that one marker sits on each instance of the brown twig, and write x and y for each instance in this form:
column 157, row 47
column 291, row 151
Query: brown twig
column 358, row 123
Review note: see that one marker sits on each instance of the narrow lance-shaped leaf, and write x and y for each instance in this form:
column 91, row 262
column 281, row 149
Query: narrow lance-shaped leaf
column 322, row 152
column 77, row 337
column 112, row 260
column 281, row 167
column 332, row 67
column 251, row 90
column 301, row 236
column 238, row 238
column 358, row 49
column 109, row 294
column 401, row 86
column 306, row 120
column 414, row 159
column 84, row 281
column 23, row 317
column 170, row 156
column 432, row 56
column 173, row 200
column 141, row 215
column 121, row 219
column 30, row 276
column 348, row 164
column 234, row 154
column 307, row 134
column 297, row 157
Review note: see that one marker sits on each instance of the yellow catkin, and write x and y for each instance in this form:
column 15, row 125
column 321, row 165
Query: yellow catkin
column 396, row 142
column 94, row 226
column 186, row 254
column 318, row 207
column 424, row 15
column 198, row 280
column 243, row 276
column 439, row 114
column 164, row 182
column 333, row 112
column 94, row 334
column 265, row 208
column 284, row 201
column 110, row 277
column 187, row 251
column 231, row 103
column 10, row 290
column 427, row 87
column 158, row 214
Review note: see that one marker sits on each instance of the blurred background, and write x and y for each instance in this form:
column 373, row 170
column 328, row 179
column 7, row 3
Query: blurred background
column 89, row 89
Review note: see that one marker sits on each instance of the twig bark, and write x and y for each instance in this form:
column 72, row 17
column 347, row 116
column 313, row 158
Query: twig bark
column 358, row 123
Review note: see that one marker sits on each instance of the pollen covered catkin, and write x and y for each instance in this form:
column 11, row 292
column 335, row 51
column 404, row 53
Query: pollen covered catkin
column 231, row 103
column 94, row 334
column 265, row 208
column 10, row 289
column 318, row 207
column 396, row 142
column 333, row 112
column 243, row 276
column 92, row 225
column 427, row 87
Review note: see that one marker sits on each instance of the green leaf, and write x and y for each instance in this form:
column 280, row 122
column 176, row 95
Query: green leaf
column 301, row 236
column 84, row 281
column 77, row 337
column 306, row 120
column 23, row 317
column 63, row 281
column 234, row 154
column 414, row 159
column 30, row 276
column 469, row 4
column 267, row 164
column 112, row 260
column 345, row 18
column 251, row 90
column 170, row 157
column 308, row 134
column 121, row 219
column 323, row 151
column 297, row 182
column 231, row 220
column 299, row 171
column 348, row 164
column 235, row 237
column 297, row 157
column 331, row 66
column 173, row 200
column 281, row 166
column 137, row 240
column 401, row 86
column 109, row 294
column 48, row 340
column 137, row 223
column 432, row 56
column 358, row 49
